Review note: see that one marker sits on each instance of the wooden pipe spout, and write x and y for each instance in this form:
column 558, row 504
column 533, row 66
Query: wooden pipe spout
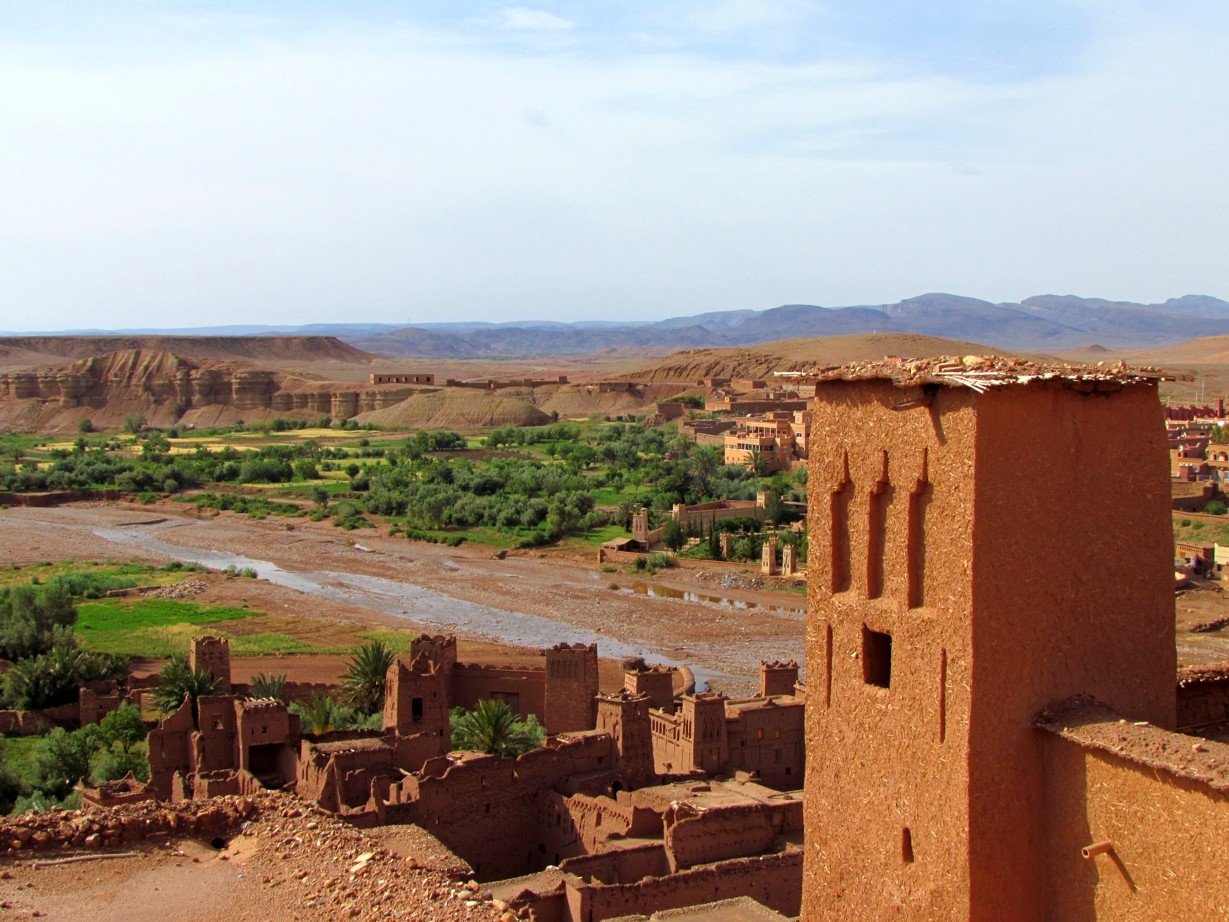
column 1097, row 848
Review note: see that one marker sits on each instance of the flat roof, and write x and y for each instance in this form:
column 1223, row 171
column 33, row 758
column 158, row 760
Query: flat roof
column 982, row 372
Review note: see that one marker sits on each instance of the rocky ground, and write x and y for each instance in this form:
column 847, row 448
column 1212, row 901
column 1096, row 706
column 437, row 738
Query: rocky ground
column 280, row 859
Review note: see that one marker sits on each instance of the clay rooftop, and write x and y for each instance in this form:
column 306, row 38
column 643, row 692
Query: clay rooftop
column 982, row 372
column 1094, row 725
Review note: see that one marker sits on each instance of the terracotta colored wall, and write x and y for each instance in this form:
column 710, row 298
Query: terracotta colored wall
column 699, row 836
column 881, row 760
column 571, row 688
column 1171, row 836
column 772, row 880
column 770, row 740
column 1203, row 700
column 1103, row 628
column 470, row 684
column 930, row 525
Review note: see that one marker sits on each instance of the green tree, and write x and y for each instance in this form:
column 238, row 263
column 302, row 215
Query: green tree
column 85, row 426
column 134, row 422
column 494, row 728
column 672, row 535
column 268, row 686
column 62, row 759
column 178, row 681
column 1216, row 507
column 362, row 687
column 123, row 727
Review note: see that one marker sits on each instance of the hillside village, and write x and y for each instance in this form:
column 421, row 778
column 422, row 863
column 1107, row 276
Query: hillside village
column 649, row 792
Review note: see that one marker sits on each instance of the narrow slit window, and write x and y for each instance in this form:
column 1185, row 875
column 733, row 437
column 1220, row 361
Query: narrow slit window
column 416, row 709
column 906, row 845
column 876, row 658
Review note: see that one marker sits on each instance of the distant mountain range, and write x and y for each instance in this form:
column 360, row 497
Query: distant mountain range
column 1041, row 323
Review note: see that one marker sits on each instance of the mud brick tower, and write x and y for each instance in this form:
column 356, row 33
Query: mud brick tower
column 213, row 655
column 704, row 730
column 953, row 593
column 625, row 716
column 416, row 707
column 571, row 688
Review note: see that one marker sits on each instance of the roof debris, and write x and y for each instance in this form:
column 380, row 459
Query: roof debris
column 982, row 372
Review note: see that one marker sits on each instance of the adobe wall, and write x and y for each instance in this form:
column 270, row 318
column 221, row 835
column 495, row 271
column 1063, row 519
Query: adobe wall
column 769, row 739
column 699, row 835
column 774, row 880
column 489, row 810
column 1203, row 697
column 1169, row 860
column 571, row 688
column 1038, row 640
column 883, row 760
column 621, row 866
column 934, row 529
column 471, row 683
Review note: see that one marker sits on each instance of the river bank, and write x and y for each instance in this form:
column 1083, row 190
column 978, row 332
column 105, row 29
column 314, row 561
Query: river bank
column 517, row 602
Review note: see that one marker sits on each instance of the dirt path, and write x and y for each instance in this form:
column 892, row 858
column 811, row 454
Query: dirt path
column 562, row 591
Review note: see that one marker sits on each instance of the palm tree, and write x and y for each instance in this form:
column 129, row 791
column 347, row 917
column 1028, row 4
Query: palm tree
column 362, row 687
column 178, row 681
column 322, row 714
column 268, row 686
column 494, row 728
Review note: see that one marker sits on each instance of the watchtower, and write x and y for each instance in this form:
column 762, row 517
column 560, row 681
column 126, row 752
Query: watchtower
column 704, row 731
column 213, row 655
column 655, row 681
column 625, row 716
column 416, row 700
column 952, row 596
column 777, row 678
column 438, row 648
column 571, row 688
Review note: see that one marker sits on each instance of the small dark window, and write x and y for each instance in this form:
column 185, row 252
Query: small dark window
column 416, row 710
column 906, row 845
column 876, row 658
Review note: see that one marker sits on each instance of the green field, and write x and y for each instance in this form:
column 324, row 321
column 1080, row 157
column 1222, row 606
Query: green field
column 147, row 627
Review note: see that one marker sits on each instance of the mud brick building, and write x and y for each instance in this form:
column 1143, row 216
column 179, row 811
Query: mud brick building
column 991, row 720
column 706, row 733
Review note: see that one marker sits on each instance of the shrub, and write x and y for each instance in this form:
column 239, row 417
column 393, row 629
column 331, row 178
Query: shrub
column 1216, row 507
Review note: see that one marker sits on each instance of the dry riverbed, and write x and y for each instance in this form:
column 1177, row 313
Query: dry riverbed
column 498, row 607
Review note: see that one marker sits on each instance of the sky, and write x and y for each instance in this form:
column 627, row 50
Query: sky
column 178, row 163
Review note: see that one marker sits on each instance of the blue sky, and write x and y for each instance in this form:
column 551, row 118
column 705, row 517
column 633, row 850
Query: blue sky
column 187, row 163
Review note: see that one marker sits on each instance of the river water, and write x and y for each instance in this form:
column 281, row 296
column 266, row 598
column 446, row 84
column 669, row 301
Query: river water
column 401, row 600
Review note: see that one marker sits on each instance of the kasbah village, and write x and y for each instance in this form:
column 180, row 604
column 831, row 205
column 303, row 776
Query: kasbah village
column 985, row 711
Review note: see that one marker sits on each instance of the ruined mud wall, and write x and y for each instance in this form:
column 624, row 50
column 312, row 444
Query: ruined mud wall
column 774, row 880
column 489, row 810
column 128, row 823
column 1170, row 857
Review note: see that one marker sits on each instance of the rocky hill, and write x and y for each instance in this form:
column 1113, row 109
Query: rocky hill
column 691, row 365
column 25, row 351
column 166, row 388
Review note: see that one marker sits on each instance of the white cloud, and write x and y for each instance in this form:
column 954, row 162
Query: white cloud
column 519, row 18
